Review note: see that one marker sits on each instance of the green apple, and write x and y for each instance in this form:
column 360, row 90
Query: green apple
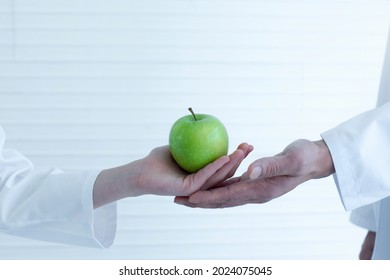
column 196, row 140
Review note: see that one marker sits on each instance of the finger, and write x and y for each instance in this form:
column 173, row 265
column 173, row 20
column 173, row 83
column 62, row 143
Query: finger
column 183, row 200
column 199, row 178
column 246, row 148
column 272, row 166
column 217, row 171
column 227, row 182
column 244, row 192
column 227, row 171
column 250, row 191
column 241, row 192
column 193, row 182
column 236, row 160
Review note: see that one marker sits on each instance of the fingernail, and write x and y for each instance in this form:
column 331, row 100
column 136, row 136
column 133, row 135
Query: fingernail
column 179, row 201
column 256, row 172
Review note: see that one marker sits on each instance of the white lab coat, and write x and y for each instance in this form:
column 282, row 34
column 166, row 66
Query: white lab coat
column 360, row 150
column 50, row 204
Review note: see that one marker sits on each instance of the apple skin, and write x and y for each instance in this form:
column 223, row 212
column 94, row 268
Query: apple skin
column 196, row 143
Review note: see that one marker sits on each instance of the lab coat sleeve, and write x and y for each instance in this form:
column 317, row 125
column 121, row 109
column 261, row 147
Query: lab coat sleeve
column 50, row 204
column 364, row 217
column 360, row 149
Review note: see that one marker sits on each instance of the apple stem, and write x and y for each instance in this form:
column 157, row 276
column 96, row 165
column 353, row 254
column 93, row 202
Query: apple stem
column 193, row 114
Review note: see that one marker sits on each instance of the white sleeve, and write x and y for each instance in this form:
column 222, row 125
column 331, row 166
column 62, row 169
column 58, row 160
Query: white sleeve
column 360, row 150
column 364, row 217
column 50, row 204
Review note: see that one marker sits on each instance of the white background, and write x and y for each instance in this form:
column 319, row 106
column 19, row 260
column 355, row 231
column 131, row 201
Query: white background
column 95, row 84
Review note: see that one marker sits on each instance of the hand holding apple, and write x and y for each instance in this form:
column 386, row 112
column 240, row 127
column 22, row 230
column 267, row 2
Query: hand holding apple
column 159, row 174
column 196, row 140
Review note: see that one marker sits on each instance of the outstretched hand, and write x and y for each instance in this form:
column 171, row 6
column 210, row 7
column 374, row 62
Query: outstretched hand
column 159, row 174
column 162, row 176
column 267, row 178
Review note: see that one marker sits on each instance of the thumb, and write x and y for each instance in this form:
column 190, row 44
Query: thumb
column 271, row 167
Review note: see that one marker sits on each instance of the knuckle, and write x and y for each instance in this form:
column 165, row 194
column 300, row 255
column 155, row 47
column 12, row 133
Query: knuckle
column 272, row 169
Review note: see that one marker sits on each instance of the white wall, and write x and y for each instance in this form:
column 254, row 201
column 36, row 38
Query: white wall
column 94, row 84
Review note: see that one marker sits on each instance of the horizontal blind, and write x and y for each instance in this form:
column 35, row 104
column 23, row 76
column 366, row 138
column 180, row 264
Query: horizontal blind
column 95, row 84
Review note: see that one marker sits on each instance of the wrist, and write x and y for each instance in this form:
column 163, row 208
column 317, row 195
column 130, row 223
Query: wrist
column 116, row 183
column 324, row 163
